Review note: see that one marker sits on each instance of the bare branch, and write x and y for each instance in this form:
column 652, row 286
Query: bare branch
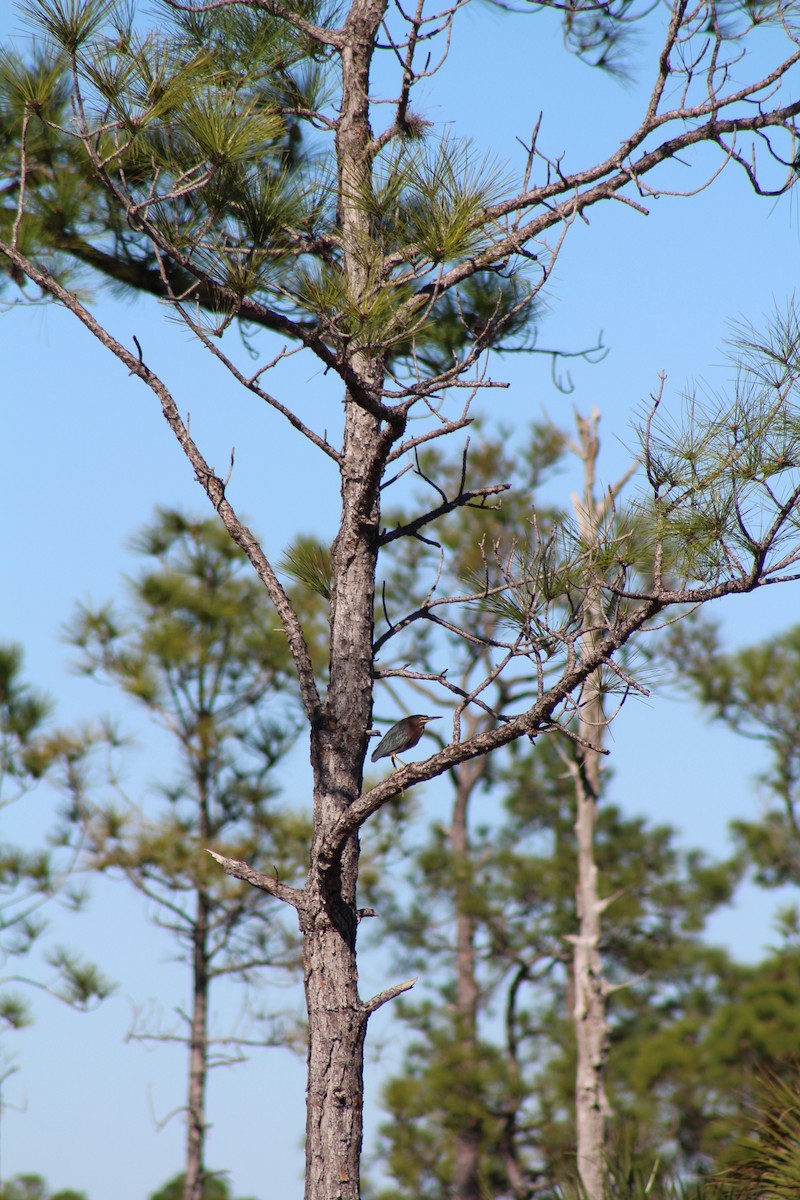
column 211, row 484
column 390, row 993
column 320, row 442
column 463, row 499
column 265, row 883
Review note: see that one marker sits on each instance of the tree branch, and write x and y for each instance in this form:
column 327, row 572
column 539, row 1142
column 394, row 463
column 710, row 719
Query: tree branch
column 390, row 993
column 328, row 37
column 208, row 480
column 265, row 883
column 459, row 501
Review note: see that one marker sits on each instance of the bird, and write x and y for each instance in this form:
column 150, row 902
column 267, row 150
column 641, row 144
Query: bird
column 401, row 737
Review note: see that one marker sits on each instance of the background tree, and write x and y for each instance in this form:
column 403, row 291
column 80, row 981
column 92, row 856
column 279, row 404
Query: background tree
column 34, row 1187
column 215, row 1187
column 755, row 692
column 484, row 1105
column 356, row 260
column 455, row 556
column 199, row 651
column 30, row 879
column 670, row 998
column 690, row 1029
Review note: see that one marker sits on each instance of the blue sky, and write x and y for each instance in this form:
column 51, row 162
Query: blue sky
column 86, row 456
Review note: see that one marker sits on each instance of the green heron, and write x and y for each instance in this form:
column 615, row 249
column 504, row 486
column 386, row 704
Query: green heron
column 401, row 737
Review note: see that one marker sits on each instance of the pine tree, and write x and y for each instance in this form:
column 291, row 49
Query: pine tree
column 396, row 260
column 198, row 650
column 755, row 692
column 493, row 919
column 31, row 754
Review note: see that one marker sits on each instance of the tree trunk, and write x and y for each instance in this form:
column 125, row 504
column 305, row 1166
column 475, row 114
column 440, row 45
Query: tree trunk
column 337, row 1025
column 337, row 1019
column 466, row 1168
column 591, row 1023
column 198, row 1055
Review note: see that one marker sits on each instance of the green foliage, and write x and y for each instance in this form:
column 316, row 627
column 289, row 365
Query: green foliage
column 205, row 176
column 721, row 474
column 717, row 515
column 443, row 1089
column 436, row 198
column 29, row 755
column 34, row 1187
column 206, row 102
column 742, row 1020
column 486, row 309
column 628, row 1179
column 70, row 22
column 309, row 563
column 766, row 1160
column 755, row 692
column 206, row 133
column 22, row 715
column 185, row 636
column 81, row 983
column 38, row 85
column 518, row 888
column 215, row 1187
column 14, row 1011
column 200, row 650
column 683, row 1017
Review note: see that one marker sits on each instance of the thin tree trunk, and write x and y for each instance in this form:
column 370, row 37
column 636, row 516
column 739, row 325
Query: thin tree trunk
column 591, row 1025
column 198, row 1055
column 520, row 1185
column 466, row 1168
column 589, row 1011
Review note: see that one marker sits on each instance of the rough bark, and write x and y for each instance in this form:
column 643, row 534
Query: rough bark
column 337, row 1025
column 336, row 1016
column 337, row 1019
